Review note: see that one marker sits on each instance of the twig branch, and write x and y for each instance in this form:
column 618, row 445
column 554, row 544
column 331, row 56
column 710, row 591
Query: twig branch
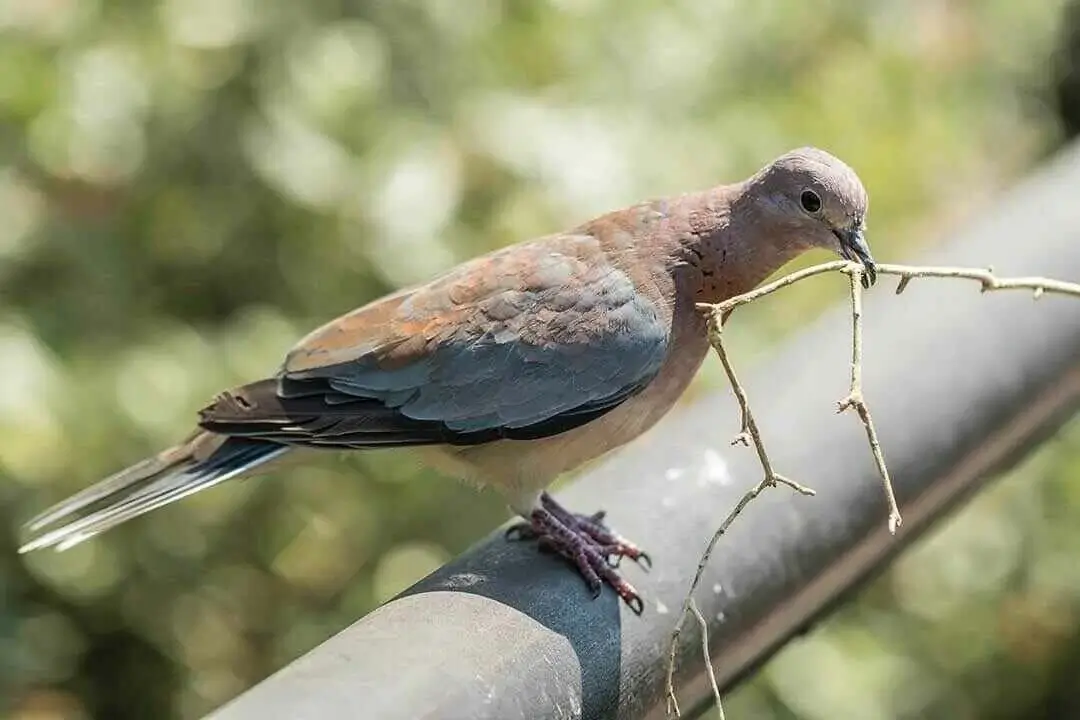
column 749, row 425
column 769, row 288
column 854, row 400
column 708, row 660
column 770, row 479
column 986, row 278
column 988, row 281
column 672, row 702
column 749, row 431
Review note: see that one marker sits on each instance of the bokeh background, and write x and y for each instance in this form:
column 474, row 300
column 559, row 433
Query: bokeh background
column 188, row 186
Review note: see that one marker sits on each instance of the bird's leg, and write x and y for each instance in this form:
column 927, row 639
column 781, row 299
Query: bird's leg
column 585, row 541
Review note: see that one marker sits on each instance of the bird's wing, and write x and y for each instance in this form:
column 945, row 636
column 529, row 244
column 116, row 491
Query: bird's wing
column 523, row 343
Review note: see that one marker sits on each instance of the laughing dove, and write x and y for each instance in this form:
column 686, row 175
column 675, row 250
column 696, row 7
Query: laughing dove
column 516, row 366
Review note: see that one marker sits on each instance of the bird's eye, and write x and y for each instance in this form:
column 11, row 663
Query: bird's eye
column 811, row 203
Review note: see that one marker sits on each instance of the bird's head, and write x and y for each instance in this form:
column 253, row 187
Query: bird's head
column 816, row 201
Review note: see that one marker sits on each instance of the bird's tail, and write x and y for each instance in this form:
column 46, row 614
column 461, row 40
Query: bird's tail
column 204, row 460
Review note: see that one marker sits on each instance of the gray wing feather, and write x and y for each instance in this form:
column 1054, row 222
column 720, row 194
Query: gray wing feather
column 521, row 358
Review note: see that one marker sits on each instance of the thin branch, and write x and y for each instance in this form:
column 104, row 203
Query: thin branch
column 749, row 425
column 986, row 278
column 855, row 401
column 672, row 702
column 769, row 288
column 770, row 479
column 708, row 659
column 988, row 281
column 749, row 431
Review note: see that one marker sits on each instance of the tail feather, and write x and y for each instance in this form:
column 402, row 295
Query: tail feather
column 111, row 485
column 204, row 461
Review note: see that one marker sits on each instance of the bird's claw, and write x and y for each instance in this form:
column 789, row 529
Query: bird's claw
column 634, row 602
column 598, row 573
column 643, row 561
column 639, row 558
column 586, row 542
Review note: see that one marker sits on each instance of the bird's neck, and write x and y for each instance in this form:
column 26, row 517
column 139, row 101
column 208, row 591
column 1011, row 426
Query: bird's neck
column 726, row 250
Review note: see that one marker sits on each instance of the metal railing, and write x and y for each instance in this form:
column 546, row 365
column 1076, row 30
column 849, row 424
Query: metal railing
column 961, row 386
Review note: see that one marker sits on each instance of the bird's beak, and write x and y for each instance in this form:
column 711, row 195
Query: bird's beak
column 853, row 247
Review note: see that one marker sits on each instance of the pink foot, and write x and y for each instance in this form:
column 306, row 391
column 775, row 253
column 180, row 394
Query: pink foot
column 588, row 543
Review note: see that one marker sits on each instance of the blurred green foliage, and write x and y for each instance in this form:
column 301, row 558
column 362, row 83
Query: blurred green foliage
column 187, row 186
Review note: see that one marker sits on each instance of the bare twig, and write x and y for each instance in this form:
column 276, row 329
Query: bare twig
column 770, row 479
column 672, row 702
column 749, row 425
column 986, row 278
column 708, row 660
column 855, row 401
column 748, row 433
column 769, row 288
column 988, row 281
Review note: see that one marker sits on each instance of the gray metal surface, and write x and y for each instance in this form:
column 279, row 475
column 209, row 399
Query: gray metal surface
column 960, row 384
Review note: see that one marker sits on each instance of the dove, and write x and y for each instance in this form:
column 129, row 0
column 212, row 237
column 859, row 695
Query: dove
column 515, row 367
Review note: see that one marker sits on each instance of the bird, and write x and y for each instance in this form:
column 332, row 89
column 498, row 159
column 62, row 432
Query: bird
column 514, row 367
